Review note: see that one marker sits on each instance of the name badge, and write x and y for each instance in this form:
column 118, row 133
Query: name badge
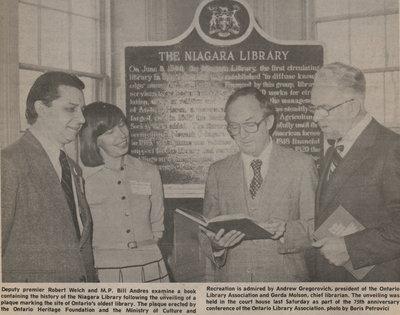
column 140, row 188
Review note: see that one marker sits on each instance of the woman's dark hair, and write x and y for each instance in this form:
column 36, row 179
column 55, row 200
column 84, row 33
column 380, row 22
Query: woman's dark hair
column 99, row 117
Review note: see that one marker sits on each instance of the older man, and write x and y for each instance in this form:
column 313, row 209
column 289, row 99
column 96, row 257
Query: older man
column 272, row 185
column 45, row 219
column 361, row 173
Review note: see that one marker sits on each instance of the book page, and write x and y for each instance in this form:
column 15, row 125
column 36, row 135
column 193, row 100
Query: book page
column 227, row 217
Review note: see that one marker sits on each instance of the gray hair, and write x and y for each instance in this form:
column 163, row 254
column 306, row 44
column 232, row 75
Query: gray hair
column 345, row 76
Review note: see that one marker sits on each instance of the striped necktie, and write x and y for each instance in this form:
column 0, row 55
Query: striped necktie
column 336, row 158
column 257, row 180
column 66, row 183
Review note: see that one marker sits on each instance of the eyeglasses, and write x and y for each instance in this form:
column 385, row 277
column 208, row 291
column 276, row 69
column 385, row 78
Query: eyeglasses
column 250, row 127
column 325, row 111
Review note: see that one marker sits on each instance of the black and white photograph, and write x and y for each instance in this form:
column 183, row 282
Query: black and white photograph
column 208, row 157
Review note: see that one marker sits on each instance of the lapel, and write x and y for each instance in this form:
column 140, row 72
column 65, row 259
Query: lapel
column 323, row 175
column 353, row 160
column 274, row 181
column 272, row 187
column 44, row 178
column 236, row 175
column 46, row 181
column 81, row 202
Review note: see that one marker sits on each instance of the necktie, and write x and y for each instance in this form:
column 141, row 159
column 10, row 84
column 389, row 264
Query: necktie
column 335, row 157
column 66, row 183
column 257, row 179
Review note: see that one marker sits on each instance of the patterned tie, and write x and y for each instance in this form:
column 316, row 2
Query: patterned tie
column 336, row 158
column 66, row 183
column 257, row 179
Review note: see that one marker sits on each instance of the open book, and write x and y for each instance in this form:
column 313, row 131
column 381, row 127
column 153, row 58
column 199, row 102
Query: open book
column 342, row 223
column 238, row 222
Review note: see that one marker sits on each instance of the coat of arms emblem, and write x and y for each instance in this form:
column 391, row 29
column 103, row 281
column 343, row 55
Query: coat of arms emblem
column 223, row 21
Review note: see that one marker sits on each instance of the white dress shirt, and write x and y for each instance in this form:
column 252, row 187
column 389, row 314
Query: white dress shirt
column 264, row 157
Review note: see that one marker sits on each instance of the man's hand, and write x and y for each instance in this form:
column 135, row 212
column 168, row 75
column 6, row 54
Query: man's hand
column 222, row 240
column 333, row 249
column 275, row 226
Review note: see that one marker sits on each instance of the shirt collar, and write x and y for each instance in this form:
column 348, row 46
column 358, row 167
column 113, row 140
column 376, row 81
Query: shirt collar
column 351, row 136
column 264, row 155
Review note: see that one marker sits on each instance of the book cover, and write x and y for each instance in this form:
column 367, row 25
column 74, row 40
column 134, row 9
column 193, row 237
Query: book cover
column 342, row 223
column 238, row 222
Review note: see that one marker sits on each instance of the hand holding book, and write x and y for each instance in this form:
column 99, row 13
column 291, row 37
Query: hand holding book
column 232, row 222
column 221, row 240
column 276, row 227
column 333, row 249
column 329, row 238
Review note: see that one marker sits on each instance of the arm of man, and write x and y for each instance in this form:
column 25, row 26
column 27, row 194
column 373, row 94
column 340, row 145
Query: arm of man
column 298, row 233
column 157, row 205
column 9, row 190
column 210, row 210
column 382, row 243
column 215, row 245
column 210, row 206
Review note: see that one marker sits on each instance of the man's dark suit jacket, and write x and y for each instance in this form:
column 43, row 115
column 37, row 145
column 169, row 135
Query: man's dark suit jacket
column 367, row 184
column 39, row 240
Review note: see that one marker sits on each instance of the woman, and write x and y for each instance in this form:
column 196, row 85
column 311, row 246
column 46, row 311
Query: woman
column 126, row 200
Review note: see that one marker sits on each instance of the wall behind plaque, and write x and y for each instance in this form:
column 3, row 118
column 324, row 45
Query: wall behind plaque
column 158, row 20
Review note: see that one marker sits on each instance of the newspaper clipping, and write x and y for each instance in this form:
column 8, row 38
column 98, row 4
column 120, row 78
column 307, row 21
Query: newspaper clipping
column 108, row 208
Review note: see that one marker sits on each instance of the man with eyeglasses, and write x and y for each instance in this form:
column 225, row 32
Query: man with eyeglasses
column 273, row 185
column 361, row 173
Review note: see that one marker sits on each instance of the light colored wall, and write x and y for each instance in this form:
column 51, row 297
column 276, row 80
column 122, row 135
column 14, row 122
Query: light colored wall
column 9, row 114
column 289, row 18
column 128, row 23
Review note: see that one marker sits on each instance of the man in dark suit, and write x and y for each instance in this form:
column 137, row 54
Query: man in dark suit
column 361, row 173
column 45, row 219
column 273, row 185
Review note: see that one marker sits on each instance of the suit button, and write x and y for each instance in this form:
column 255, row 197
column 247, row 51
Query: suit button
column 123, row 197
column 128, row 231
column 132, row 244
column 119, row 182
column 127, row 214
